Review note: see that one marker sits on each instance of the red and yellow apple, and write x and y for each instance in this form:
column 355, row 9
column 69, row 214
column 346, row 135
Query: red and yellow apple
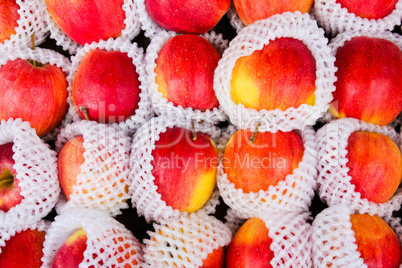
column 189, row 16
column 87, row 21
column 71, row 252
column 33, row 92
column 185, row 72
column 280, row 75
column 8, row 19
column 106, row 85
column 374, row 9
column 369, row 80
column 375, row 165
column 184, row 169
column 257, row 164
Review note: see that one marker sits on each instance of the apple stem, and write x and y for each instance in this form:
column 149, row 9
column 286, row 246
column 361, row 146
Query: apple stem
column 193, row 130
column 84, row 110
column 33, row 46
column 254, row 136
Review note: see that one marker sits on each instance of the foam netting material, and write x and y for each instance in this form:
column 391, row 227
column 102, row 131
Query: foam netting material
column 334, row 186
column 254, row 37
column 132, row 29
column 184, row 241
column 144, row 111
column 334, row 18
column 109, row 243
column 295, row 193
column 148, row 25
column 103, row 181
column 160, row 104
column 36, row 167
column 143, row 191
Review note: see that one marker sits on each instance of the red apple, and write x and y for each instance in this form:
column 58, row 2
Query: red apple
column 280, row 75
column 215, row 259
column 24, row 249
column 185, row 72
column 369, row 80
column 106, row 84
column 71, row 253
column 250, row 11
column 373, row 9
column 257, row 164
column 189, row 16
column 34, row 93
column 375, row 165
column 376, row 241
column 8, row 19
column 184, row 169
column 86, row 21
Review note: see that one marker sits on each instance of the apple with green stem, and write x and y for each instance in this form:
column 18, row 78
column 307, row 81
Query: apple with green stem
column 8, row 19
column 374, row 9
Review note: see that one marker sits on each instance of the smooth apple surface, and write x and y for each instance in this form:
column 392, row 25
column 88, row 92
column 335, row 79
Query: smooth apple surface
column 189, row 16
column 106, row 84
column 215, row 259
column 8, row 19
column 279, row 76
column 376, row 241
column 184, row 169
column 86, row 21
column 375, row 165
column 369, row 80
column 373, row 9
column 185, row 72
column 256, row 165
column 71, row 252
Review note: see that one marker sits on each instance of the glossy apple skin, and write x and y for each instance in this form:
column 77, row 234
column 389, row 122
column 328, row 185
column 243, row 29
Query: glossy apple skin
column 375, row 165
column 250, row 246
column 254, row 166
column 250, row 11
column 86, row 21
column 8, row 19
column 188, row 16
column 71, row 252
column 215, row 259
column 376, row 241
column 374, row 9
column 24, row 249
column 281, row 75
column 369, row 80
column 185, row 72
column 34, row 94
column 107, row 85
column 184, row 169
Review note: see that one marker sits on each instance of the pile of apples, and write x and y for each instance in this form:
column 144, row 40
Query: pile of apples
column 162, row 175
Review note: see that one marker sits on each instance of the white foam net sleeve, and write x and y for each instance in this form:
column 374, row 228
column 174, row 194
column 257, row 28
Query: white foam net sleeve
column 234, row 18
column 132, row 29
column 143, row 191
column 160, row 104
column 335, row 19
column 293, row 194
column 184, row 241
column 103, row 181
column 148, row 25
column 36, row 167
column 334, row 186
column 144, row 111
column 254, row 37
column 109, row 243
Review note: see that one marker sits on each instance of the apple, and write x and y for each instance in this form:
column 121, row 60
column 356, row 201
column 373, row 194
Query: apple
column 279, row 76
column 86, row 21
column 184, row 168
column 106, row 86
column 374, row 9
column 369, row 80
column 376, row 241
column 8, row 19
column 250, row 11
column 375, row 165
column 215, row 259
column 24, row 249
column 71, row 253
column 189, row 16
column 185, row 69
column 254, row 164
column 35, row 93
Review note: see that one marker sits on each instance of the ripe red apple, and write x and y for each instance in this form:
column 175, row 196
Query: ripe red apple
column 215, row 259
column 8, row 19
column 24, row 249
column 106, row 84
column 71, row 253
column 189, row 16
column 375, row 165
column 86, row 21
column 185, row 71
column 184, row 169
column 250, row 11
column 255, row 165
column 281, row 75
column 37, row 94
column 374, row 9
column 376, row 241
column 369, row 80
